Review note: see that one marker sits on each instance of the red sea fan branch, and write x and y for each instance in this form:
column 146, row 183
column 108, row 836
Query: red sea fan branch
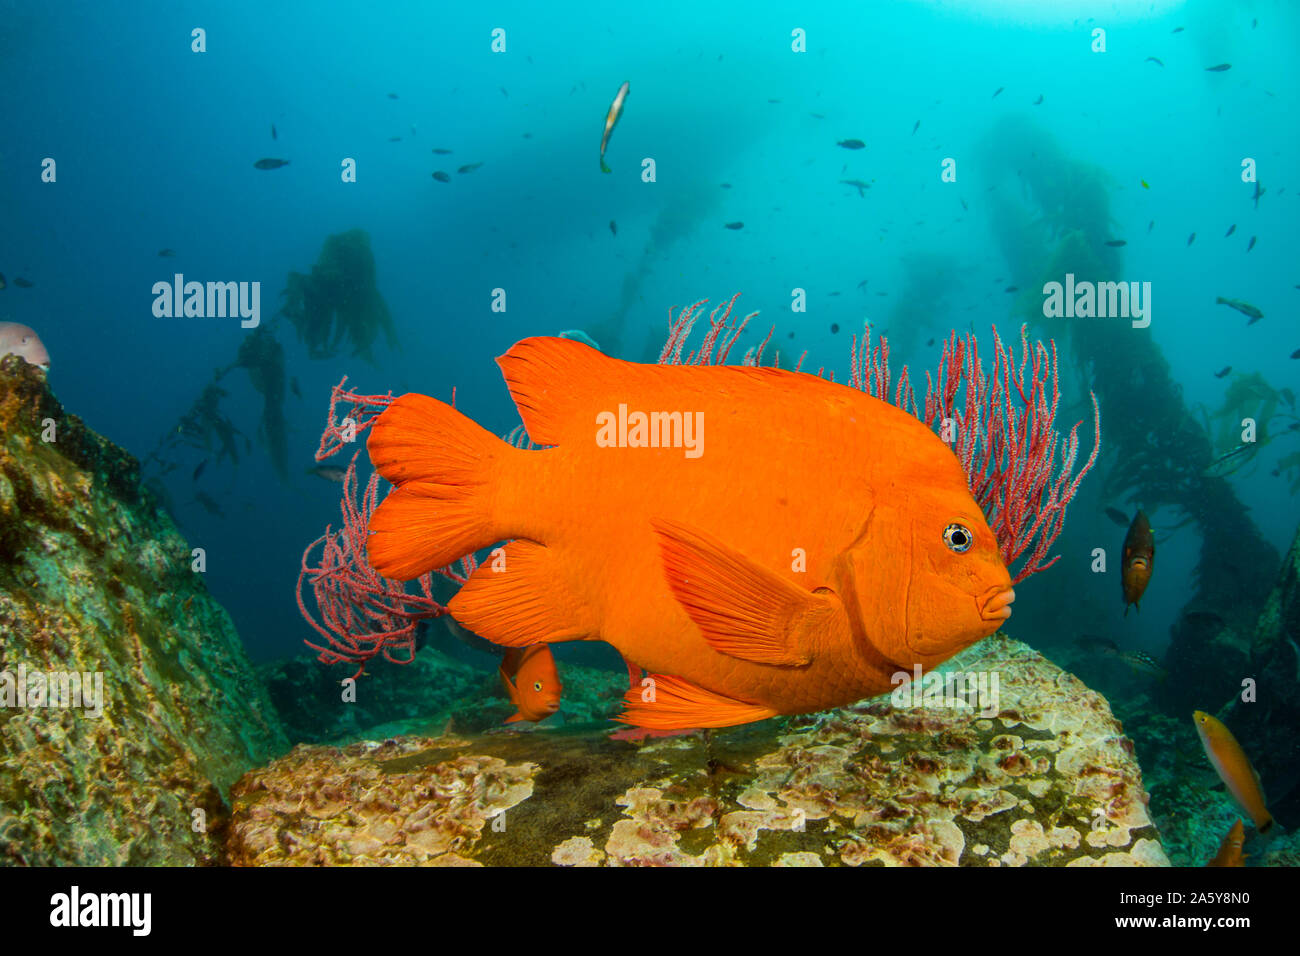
column 1004, row 433
column 361, row 613
column 362, row 412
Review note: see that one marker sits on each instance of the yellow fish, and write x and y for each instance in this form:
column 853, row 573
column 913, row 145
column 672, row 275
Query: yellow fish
column 1234, row 768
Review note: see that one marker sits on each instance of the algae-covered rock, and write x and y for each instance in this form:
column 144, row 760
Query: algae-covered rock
column 1043, row 776
column 95, row 581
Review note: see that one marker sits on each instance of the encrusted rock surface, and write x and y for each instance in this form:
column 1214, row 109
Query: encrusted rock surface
column 95, row 578
column 372, row 803
column 1048, row 780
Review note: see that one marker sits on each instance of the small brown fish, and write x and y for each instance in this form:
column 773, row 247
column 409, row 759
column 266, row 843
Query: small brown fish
column 1176, row 30
column 1138, row 560
column 293, row 387
column 1012, row 288
column 442, row 152
column 1151, row 225
column 857, row 184
column 199, row 470
column 273, row 136
column 735, row 225
column 1230, row 849
column 1039, row 101
column 394, row 139
column 916, row 127
column 209, row 505
column 23, row 283
column 1296, row 354
column 1142, row 662
column 851, row 144
column 1116, row 243
column 613, row 227
column 270, row 163
column 1250, row 245
column 392, row 96
column 469, row 167
column 2, row 280
column 611, row 120
column 1230, row 461
column 1231, row 230
column 1191, row 239
column 1219, row 68
column 996, row 92
column 1152, row 59
column 166, row 253
column 1117, row 516
column 442, row 177
column 1245, row 308
column 328, row 472
column 1223, row 371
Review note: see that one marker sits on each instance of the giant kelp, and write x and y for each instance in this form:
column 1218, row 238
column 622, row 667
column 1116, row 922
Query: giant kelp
column 338, row 300
column 263, row 357
column 1159, row 449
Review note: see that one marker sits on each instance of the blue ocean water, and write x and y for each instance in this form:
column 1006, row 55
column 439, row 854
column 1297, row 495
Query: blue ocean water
column 155, row 144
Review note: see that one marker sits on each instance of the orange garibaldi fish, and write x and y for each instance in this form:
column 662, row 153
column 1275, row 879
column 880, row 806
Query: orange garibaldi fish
column 761, row 541
column 531, row 682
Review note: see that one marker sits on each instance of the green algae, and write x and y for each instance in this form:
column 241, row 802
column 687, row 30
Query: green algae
column 95, row 578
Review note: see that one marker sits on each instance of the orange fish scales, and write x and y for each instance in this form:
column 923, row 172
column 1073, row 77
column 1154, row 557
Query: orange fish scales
column 785, row 553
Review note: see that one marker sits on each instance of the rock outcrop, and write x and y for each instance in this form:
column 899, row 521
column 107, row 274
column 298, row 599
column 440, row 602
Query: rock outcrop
column 96, row 581
column 1044, row 776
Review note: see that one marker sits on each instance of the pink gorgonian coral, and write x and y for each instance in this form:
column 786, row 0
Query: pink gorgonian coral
column 1000, row 424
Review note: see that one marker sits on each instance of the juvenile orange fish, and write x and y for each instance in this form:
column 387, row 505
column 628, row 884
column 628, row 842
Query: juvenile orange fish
column 532, row 682
column 761, row 541
column 1233, row 767
column 1230, row 849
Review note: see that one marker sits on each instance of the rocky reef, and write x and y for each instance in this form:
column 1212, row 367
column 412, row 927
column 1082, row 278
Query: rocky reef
column 95, row 580
column 1044, row 777
column 431, row 692
column 1245, row 672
